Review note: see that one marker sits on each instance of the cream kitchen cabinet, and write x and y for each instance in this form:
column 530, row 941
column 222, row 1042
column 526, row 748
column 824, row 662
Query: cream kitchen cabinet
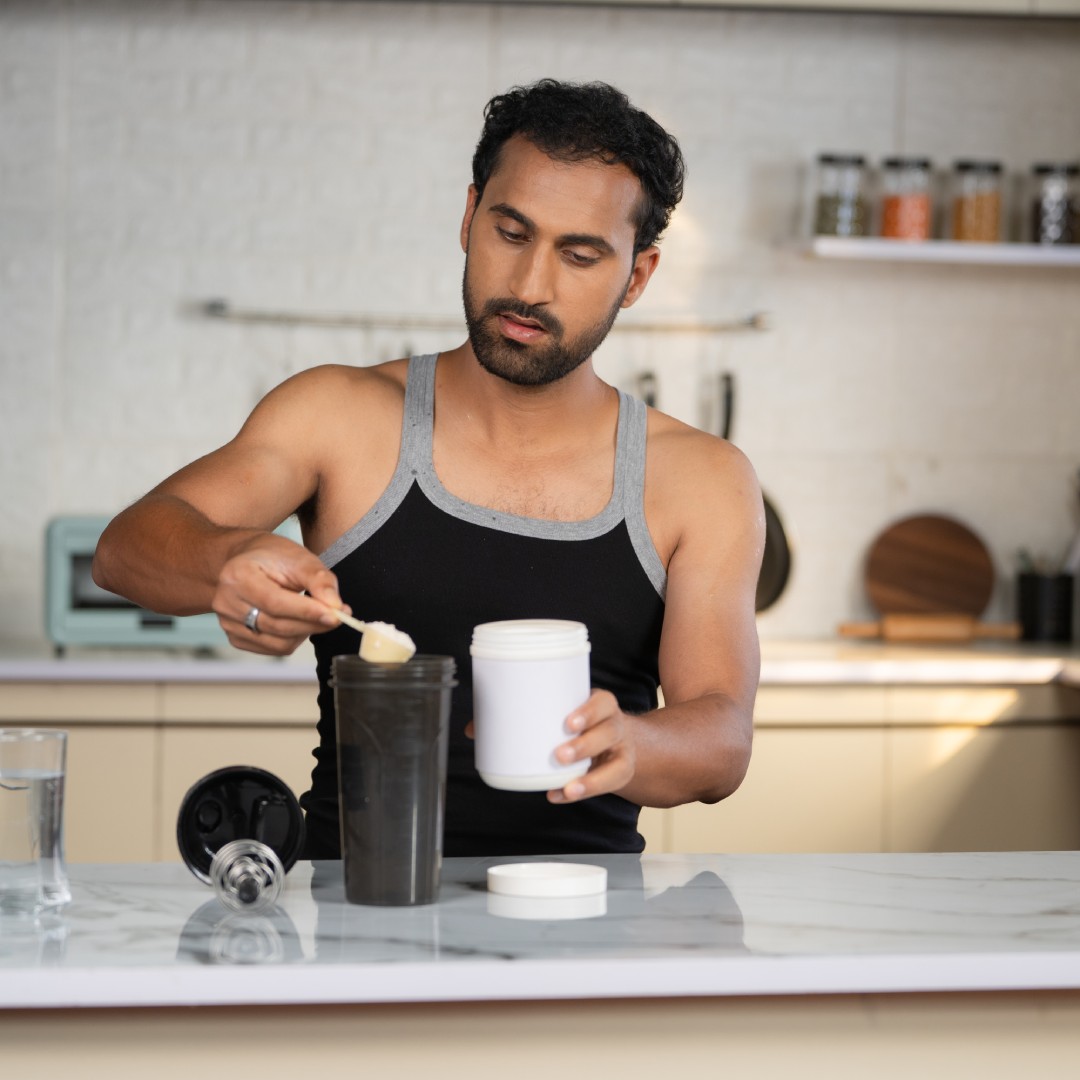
column 983, row 769
column 901, row 769
column 815, row 780
column 113, row 763
column 836, row 768
column 208, row 727
column 135, row 749
column 190, row 752
column 806, row 790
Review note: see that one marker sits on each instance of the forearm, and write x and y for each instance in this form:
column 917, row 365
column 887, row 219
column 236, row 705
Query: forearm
column 692, row 751
column 165, row 555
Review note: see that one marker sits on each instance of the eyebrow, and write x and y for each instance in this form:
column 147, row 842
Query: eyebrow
column 584, row 239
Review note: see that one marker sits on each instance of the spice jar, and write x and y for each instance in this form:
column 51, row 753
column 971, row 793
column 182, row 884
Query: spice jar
column 976, row 203
column 841, row 204
column 1055, row 206
column 905, row 201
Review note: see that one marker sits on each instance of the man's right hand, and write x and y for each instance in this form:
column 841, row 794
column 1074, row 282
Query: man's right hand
column 289, row 587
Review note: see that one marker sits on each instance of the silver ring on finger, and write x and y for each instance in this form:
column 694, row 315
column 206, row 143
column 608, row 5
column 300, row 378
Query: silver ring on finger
column 251, row 620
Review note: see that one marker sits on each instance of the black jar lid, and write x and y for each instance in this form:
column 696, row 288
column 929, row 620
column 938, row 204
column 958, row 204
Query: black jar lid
column 906, row 163
column 1056, row 168
column 971, row 165
column 841, row 159
column 239, row 802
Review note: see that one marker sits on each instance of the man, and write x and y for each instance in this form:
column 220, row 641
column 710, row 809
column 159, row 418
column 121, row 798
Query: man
column 501, row 479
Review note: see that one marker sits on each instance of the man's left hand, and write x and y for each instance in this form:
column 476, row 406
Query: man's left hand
column 603, row 735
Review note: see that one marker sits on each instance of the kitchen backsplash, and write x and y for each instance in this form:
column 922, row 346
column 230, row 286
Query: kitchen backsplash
column 314, row 157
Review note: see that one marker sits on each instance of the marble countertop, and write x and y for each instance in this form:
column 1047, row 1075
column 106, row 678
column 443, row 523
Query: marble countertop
column 668, row 926
column 825, row 662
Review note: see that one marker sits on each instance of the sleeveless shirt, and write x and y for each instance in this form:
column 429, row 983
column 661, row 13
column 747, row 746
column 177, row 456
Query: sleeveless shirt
column 436, row 566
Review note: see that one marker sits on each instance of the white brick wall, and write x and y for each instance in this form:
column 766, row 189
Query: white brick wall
column 315, row 156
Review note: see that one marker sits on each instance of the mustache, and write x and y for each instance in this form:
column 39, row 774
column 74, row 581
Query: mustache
column 510, row 306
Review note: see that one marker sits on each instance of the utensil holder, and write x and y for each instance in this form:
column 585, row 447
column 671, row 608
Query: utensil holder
column 1044, row 607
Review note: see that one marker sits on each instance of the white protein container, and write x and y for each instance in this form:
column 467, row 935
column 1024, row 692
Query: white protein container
column 528, row 676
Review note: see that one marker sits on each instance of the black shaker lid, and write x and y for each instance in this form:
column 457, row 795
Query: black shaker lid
column 239, row 802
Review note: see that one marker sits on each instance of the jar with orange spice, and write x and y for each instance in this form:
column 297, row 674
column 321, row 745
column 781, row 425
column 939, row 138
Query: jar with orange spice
column 976, row 203
column 905, row 200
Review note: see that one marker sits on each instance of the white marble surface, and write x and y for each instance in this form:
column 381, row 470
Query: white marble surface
column 824, row 662
column 672, row 925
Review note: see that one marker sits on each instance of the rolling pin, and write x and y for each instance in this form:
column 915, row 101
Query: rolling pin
column 913, row 627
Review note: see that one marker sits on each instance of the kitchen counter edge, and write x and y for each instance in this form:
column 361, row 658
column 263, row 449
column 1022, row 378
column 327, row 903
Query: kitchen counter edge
column 783, row 664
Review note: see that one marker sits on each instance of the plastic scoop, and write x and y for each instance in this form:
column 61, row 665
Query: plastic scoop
column 380, row 642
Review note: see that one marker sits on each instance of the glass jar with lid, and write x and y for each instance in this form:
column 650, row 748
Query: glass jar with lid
column 906, row 208
column 976, row 201
column 1055, row 203
column 840, row 209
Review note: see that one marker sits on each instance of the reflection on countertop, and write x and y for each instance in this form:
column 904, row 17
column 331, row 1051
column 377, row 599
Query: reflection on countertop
column 808, row 662
column 673, row 925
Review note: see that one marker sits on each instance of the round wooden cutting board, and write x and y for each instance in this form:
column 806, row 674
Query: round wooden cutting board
column 929, row 564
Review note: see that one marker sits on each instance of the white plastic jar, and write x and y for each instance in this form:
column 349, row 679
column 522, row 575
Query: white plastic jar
column 528, row 676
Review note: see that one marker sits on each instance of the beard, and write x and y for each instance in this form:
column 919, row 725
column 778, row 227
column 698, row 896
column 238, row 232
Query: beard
column 529, row 365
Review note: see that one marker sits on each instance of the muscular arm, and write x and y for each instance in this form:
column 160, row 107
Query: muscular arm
column 697, row 747
column 202, row 540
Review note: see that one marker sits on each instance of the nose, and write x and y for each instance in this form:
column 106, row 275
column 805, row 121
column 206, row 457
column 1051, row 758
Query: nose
column 533, row 278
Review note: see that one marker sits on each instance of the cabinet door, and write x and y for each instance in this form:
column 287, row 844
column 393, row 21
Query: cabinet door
column 807, row 790
column 109, row 804
column 963, row 788
column 653, row 824
column 189, row 753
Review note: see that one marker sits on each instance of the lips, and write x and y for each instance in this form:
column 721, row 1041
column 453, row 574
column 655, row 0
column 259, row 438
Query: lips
column 517, row 329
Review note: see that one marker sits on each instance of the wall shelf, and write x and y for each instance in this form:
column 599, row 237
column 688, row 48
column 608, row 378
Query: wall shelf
column 874, row 249
column 992, row 8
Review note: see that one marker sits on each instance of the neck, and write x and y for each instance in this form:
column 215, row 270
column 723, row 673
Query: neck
column 503, row 411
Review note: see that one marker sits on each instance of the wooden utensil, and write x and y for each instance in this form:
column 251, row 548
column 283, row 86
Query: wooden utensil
column 927, row 628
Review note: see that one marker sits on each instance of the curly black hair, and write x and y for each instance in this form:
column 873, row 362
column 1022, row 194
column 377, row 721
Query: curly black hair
column 588, row 121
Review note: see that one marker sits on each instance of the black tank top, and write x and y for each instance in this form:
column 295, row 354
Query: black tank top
column 437, row 566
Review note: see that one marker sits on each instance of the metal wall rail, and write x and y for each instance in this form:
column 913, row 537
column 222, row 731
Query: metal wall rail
column 222, row 309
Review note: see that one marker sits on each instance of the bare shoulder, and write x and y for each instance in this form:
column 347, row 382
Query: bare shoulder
column 682, row 459
column 333, row 392
column 325, row 440
column 696, row 483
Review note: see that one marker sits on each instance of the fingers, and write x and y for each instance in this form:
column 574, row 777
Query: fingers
column 605, row 739
column 259, row 634
column 274, row 594
column 323, row 588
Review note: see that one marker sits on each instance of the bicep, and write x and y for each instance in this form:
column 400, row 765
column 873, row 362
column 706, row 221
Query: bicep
column 258, row 478
column 241, row 486
column 709, row 643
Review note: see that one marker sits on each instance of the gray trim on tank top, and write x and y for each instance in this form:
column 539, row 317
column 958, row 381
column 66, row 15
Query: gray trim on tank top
column 415, row 464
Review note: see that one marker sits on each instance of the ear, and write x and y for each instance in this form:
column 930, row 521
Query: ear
column 470, row 209
column 645, row 262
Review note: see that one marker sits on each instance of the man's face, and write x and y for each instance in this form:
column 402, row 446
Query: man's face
column 549, row 262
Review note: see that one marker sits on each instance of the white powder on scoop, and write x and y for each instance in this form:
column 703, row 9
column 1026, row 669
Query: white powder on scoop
column 384, row 643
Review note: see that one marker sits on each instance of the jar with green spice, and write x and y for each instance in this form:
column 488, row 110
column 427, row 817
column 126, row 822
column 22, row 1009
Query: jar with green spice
column 841, row 207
